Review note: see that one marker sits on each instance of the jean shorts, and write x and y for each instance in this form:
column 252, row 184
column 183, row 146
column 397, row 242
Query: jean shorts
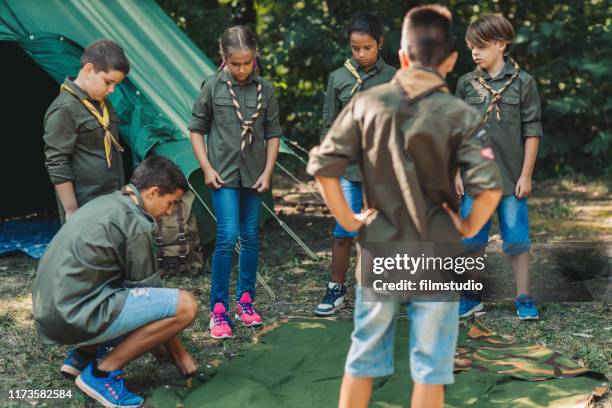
column 513, row 224
column 354, row 197
column 434, row 328
column 143, row 306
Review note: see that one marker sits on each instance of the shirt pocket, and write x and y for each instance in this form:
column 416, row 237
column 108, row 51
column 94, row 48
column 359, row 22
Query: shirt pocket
column 509, row 110
column 91, row 134
column 224, row 110
column 476, row 101
column 251, row 107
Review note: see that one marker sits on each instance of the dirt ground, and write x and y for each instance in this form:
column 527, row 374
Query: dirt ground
column 560, row 210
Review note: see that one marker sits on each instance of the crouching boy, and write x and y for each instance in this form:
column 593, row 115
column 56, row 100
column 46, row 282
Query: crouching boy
column 98, row 284
column 409, row 136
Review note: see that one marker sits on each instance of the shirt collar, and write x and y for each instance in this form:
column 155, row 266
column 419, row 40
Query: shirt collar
column 380, row 64
column 508, row 69
column 69, row 82
column 416, row 81
column 130, row 190
column 225, row 76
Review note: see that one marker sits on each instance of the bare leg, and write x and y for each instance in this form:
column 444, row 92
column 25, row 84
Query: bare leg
column 427, row 396
column 355, row 392
column 147, row 337
column 341, row 256
column 520, row 267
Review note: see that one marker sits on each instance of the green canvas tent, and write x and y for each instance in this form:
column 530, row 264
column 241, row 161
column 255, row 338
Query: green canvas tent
column 153, row 103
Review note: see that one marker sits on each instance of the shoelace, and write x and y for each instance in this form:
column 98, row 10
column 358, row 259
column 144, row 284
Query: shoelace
column 246, row 308
column 118, row 385
column 219, row 318
column 332, row 293
column 527, row 302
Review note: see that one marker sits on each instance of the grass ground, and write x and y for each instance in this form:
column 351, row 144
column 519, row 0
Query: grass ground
column 575, row 209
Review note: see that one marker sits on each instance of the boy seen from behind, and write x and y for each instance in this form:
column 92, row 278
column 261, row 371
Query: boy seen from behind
column 409, row 136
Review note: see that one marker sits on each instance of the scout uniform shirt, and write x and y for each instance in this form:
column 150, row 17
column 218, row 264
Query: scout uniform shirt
column 410, row 136
column 340, row 90
column 519, row 117
column 74, row 147
column 214, row 115
column 80, row 287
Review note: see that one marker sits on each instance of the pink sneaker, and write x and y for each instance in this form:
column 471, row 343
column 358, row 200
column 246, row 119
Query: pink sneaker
column 246, row 313
column 220, row 323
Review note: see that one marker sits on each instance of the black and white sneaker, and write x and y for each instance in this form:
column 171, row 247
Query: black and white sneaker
column 333, row 299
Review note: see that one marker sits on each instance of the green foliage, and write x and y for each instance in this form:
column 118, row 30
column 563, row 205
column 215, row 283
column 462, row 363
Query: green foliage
column 564, row 45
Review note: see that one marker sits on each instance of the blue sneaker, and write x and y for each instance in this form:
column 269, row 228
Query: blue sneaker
column 525, row 308
column 468, row 307
column 109, row 391
column 76, row 361
column 333, row 299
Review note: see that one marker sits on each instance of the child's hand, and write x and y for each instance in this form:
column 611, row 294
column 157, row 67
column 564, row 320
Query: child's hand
column 357, row 220
column 212, row 178
column 458, row 222
column 523, row 187
column 459, row 185
column 263, row 183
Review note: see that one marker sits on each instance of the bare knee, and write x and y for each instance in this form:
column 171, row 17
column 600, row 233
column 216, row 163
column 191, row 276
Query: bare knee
column 187, row 307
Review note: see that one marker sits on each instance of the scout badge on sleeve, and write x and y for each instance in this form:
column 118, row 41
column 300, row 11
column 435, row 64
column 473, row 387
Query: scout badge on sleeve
column 247, row 125
column 104, row 119
column 360, row 79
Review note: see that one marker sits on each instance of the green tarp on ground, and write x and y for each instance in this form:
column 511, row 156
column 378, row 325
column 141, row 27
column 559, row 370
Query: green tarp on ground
column 154, row 102
column 300, row 364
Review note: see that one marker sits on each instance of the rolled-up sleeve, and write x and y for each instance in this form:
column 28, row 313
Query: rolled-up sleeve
column 340, row 145
column 272, row 127
column 202, row 111
column 478, row 168
column 531, row 110
column 60, row 137
column 331, row 107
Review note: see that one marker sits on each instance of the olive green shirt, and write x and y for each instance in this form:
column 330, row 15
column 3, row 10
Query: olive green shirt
column 409, row 140
column 214, row 115
column 74, row 147
column 338, row 95
column 520, row 117
column 82, row 279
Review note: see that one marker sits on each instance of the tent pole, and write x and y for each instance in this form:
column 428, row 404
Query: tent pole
column 294, row 178
column 290, row 232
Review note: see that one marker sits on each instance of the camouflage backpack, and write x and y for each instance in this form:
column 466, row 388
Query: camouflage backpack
column 178, row 241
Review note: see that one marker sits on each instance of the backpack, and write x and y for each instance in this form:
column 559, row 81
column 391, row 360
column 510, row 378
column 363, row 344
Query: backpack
column 179, row 248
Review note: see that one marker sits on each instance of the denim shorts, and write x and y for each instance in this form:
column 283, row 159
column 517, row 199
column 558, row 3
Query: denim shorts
column 354, row 197
column 143, row 306
column 513, row 224
column 434, row 328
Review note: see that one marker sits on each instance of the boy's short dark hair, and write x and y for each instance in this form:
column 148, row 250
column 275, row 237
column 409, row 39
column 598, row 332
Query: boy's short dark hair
column 427, row 35
column 159, row 171
column 489, row 28
column 364, row 22
column 106, row 55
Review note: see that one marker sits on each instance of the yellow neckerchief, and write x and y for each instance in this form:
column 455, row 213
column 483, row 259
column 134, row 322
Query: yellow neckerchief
column 359, row 78
column 497, row 95
column 104, row 120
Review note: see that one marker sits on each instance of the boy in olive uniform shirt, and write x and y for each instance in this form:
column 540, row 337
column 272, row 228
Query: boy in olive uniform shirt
column 508, row 98
column 364, row 70
column 82, row 150
column 409, row 137
column 98, row 283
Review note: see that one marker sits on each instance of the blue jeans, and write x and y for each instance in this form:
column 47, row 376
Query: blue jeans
column 237, row 212
column 354, row 197
column 434, row 327
column 513, row 224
